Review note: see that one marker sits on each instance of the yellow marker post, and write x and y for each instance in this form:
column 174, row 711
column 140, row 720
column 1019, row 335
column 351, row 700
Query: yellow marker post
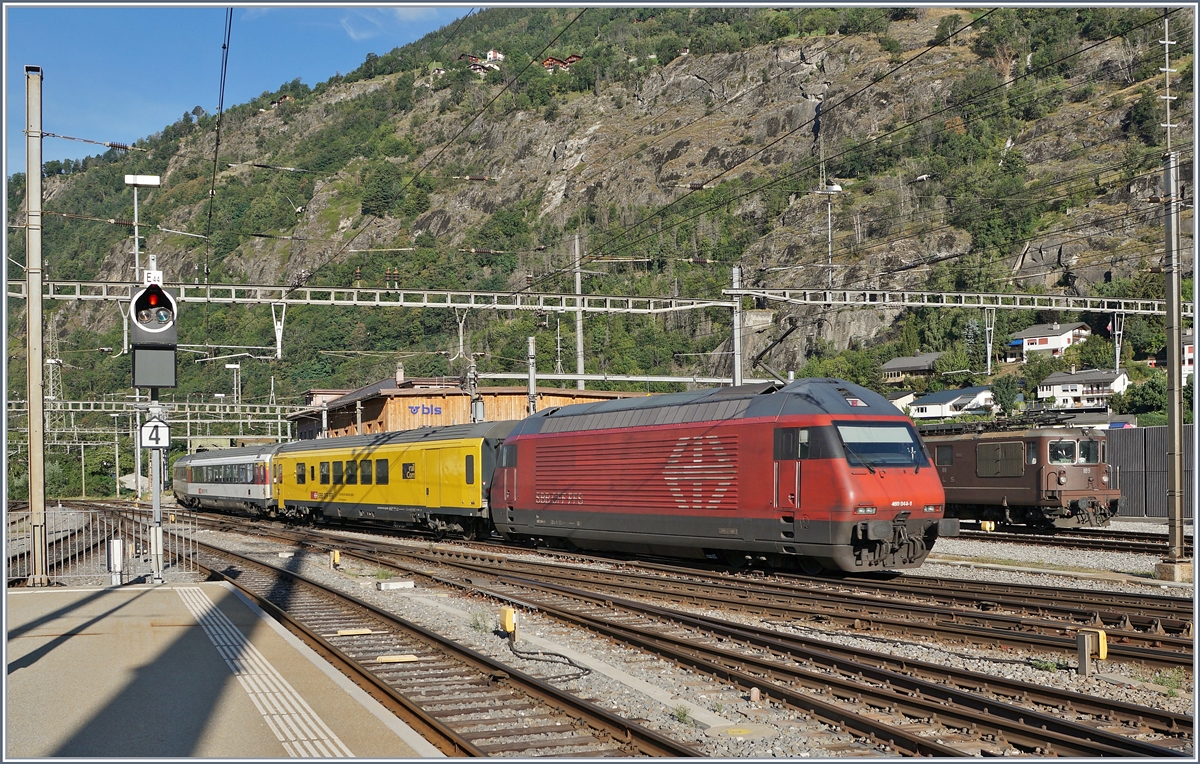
column 1091, row 642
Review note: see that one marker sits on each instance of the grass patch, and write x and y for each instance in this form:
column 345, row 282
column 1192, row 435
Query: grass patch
column 382, row 575
column 481, row 620
column 1044, row 665
column 682, row 715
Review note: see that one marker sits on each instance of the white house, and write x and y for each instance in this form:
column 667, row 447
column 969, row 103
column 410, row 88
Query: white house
column 495, row 55
column 1045, row 338
column 948, row 403
column 1089, row 389
column 901, row 398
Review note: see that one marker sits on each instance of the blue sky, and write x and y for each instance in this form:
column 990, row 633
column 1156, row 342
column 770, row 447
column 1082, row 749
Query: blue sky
column 119, row 74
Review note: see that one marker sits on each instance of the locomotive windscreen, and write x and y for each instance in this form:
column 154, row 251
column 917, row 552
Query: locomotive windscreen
column 882, row 444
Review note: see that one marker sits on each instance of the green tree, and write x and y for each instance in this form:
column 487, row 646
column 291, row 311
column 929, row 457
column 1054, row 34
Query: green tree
column 1095, row 352
column 946, row 27
column 1038, row 367
column 1004, row 392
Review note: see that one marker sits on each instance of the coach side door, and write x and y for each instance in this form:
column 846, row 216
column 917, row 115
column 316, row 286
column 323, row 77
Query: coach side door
column 790, row 443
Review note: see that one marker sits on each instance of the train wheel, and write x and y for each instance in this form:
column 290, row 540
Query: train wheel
column 810, row 567
column 736, row 560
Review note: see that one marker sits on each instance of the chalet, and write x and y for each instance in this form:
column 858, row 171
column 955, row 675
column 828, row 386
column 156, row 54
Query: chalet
column 495, row 55
column 950, row 403
column 282, row 100
column 400, row 403
column 572, row 59
column 552, row 62
column 468, row 57
column 482, row 69
column 1045, row 338
column 897, row 369
column 1088, row 389
column 1187, row 355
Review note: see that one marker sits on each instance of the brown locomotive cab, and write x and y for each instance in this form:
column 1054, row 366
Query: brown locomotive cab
column 1049, row 478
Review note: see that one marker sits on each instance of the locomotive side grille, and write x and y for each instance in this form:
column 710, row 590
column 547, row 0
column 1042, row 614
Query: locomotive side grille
column 686, row 473
column 1000, row 459
column 648, row 416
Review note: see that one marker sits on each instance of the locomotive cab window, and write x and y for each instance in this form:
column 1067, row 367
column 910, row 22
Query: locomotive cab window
column 791, row 443
column 1031, row 452
column 944, row 455
column 1062, row 452
column 1089, row 451
column 352, row 472
column 381, row 472
column 364, row 471
column 324, row 473
column 508, row 456
column 470, row 469
column 881, row 444
column 301, row 471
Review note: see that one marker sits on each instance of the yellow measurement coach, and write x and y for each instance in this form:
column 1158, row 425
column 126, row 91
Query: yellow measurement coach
column 432, row 477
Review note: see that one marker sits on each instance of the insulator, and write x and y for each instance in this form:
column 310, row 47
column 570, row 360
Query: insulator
column 696, row 186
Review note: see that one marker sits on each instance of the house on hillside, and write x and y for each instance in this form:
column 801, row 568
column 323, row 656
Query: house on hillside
column 1088, row 389
column 495, row 55
column 572, row 59
column 1045, row 338
column 469, row 57
column 551, row 63
column 1187, row 355
column 901, row 398
column 949, row 403
column 921, row 365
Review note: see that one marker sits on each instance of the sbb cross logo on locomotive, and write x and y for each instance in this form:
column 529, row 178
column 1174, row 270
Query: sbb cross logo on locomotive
column 702, row 463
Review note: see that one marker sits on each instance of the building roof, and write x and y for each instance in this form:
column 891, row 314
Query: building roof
column 946, row 396
column 1102, row 376
column 922, row 362
column 898, row 394
column 1048, row 330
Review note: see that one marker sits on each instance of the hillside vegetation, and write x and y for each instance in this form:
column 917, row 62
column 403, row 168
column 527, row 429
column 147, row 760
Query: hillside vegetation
column 978, row 150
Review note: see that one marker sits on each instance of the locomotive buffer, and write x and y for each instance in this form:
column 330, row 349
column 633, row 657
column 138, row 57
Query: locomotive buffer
column 152, row 311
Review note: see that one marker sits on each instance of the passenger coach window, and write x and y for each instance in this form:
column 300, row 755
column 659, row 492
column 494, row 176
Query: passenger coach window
column 364, row 471
column 381, row 472
column 324, row 473
column 352, row 472
column 337, row 473
column 301, row 471
column 1089, row 451
column 1062, row 452
column 944, row 455
column 409, row 471
column 470, row 469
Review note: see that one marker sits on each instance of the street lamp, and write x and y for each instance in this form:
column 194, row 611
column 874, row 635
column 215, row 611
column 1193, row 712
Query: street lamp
column 139, row 181
column 830, row 189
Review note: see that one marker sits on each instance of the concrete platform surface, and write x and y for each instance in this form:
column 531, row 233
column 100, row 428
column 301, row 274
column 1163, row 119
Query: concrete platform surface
column 188, row 670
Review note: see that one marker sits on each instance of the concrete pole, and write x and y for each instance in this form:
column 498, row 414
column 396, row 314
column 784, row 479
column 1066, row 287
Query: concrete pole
column 358, row 418
column 829, row 233
column 156, row 535
column 737, row 328
column 137, row 447
column 82, row 473
column 324, row 420
column 117, row 455
column 532, row 375
column 579, row 384
column 33, row 292
column 1174, row 363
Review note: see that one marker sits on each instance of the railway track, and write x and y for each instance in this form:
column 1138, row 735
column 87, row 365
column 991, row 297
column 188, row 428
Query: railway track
column 1130, row 542
column 464, row 702
column 895, row 703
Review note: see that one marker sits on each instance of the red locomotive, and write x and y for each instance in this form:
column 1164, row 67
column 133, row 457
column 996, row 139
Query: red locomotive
column 820, row 473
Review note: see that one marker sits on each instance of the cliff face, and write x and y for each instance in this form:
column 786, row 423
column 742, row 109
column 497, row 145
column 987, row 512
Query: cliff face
column 623, row 152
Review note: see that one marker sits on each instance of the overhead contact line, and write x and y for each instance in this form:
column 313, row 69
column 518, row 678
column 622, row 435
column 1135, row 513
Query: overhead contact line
column 212, row 191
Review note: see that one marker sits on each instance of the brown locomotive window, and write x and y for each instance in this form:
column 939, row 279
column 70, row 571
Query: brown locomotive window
column 324, row 473
column 300, row 473
column 409, row 471
column 1062, row 452
column 944, row 456
column 1000, row 459
column 337, row 473
column 352, row 472
column 1089, row 451
column 364, row 471
column 1031, row 451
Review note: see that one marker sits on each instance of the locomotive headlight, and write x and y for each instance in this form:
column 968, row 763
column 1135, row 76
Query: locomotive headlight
column 864, row 510
column 1062, row 478
column 1104, row 479
column 930, row 508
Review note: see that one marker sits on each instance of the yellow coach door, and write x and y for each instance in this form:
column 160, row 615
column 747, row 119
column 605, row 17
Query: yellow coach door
column 432, row 475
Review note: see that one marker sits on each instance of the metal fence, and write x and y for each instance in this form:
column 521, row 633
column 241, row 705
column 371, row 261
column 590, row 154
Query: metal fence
column 100, row 546
column 1139, row 458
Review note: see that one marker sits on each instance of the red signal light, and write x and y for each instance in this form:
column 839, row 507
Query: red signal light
column 153, row 299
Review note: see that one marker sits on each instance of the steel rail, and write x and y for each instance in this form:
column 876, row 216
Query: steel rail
column 1159, row 721
column 1127, row 543
column 628, row 735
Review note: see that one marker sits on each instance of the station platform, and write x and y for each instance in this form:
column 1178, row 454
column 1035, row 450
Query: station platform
column 173, row 671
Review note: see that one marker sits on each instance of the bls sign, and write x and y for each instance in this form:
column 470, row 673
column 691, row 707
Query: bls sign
column 423, row 409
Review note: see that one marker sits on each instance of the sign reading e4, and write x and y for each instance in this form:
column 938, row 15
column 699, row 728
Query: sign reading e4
column 155, row 433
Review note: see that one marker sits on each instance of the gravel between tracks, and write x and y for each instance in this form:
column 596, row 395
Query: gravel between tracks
column 772, row 731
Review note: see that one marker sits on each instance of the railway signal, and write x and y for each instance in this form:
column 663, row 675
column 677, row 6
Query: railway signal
column 153, row 335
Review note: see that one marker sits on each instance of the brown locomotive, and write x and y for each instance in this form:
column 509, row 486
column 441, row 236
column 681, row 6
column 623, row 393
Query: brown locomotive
column 1043, row 477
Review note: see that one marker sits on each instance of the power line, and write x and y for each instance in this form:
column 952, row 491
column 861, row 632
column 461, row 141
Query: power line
column 212, row 191
column 109, row 144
